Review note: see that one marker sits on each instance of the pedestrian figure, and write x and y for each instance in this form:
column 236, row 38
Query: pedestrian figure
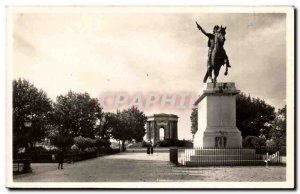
column 60, row 158
column 148, row 150
column 151, row 150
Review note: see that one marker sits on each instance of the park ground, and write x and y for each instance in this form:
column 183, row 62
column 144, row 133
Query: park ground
column 132, row 167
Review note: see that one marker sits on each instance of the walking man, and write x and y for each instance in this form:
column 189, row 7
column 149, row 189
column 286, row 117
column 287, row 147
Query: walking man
column 60, row 158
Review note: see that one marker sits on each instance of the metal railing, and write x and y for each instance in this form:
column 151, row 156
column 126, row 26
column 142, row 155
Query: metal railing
column 221, row 157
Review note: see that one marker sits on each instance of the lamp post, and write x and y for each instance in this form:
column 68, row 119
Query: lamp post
column 27, row 125
column 27, row 160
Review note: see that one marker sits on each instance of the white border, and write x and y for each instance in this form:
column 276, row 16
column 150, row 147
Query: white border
column 290, row 100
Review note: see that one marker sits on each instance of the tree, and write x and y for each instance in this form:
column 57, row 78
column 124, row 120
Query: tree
column 62, row 142
column 253, row 116
column 29, row 105
column 278, row 129
column 128, row 125
column 254, row 142
column 194, row 120
column 76, row 114
column 103, row 129
column 137, row 123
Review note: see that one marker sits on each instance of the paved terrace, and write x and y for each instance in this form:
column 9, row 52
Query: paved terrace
column 130, row 166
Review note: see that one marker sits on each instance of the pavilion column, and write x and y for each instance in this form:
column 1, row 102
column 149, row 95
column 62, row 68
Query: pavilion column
column 176, row 130
column 170, row 129
column 156, row 133
column 148, row 130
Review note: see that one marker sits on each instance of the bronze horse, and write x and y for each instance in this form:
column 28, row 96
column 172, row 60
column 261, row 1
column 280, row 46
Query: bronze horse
column 219, row 56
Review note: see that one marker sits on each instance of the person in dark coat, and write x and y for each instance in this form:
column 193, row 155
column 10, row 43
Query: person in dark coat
column 60, row 159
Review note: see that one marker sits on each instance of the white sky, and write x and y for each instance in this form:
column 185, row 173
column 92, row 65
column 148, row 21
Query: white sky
column 96, row 53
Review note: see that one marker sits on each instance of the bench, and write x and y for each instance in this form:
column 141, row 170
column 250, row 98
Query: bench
column 26, row 167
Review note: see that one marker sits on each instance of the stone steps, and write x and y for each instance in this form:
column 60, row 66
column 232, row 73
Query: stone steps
column 192, row 151
column 223, row 151
column 219, row 157
column 224, row 157
column 223, row 163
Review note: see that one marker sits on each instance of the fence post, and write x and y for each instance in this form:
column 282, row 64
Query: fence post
column 174, row 155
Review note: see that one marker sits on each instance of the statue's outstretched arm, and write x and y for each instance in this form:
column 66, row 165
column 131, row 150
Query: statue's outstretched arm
column 201, row 29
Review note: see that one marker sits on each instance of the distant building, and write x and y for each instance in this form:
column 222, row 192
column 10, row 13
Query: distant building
column 161, row 127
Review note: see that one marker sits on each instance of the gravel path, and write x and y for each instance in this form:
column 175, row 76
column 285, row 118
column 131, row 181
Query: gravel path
column 142, row 167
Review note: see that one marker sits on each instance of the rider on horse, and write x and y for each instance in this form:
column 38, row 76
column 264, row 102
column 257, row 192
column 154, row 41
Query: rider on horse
column 210, row 43
column 212, row 51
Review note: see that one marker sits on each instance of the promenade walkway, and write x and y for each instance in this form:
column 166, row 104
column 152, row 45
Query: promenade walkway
column 143, row 167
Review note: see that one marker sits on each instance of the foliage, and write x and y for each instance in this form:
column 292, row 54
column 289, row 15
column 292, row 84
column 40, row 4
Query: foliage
column 102, row 143
column 194, row 121
column 41, row 150
column 253, row 116
column 278, row 129
column 106, row 122
column 76, row 114
column 74, row 149
column 254, row 142
column 174, row 142
column 84, row 142
column 90, row 149
column 128, row 125
column 62, row 142
column 29, row 104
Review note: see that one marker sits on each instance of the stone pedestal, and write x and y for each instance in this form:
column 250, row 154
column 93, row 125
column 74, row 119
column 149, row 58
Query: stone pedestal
column 217, row 117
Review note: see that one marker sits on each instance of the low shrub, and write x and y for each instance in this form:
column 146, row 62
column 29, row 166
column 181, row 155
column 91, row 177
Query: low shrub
column 41, row 150
column 90, row 149
column 146, row 144
column 72, row 155
column 174, row 142
column 74, row 149
column 61, row 142
column 102, row 143
column 254, row 142
column 84, row 142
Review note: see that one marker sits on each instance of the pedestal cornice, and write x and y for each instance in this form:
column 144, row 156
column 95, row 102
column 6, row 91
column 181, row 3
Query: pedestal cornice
column 219, row 89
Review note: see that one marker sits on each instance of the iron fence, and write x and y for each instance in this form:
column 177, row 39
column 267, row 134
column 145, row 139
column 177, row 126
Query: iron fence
column 221, row 157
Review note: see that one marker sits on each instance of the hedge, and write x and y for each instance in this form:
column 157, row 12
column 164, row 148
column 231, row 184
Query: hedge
column 70, row 157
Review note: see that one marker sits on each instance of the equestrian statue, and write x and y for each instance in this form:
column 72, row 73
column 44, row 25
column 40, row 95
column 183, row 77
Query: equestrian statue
column 217, row 56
